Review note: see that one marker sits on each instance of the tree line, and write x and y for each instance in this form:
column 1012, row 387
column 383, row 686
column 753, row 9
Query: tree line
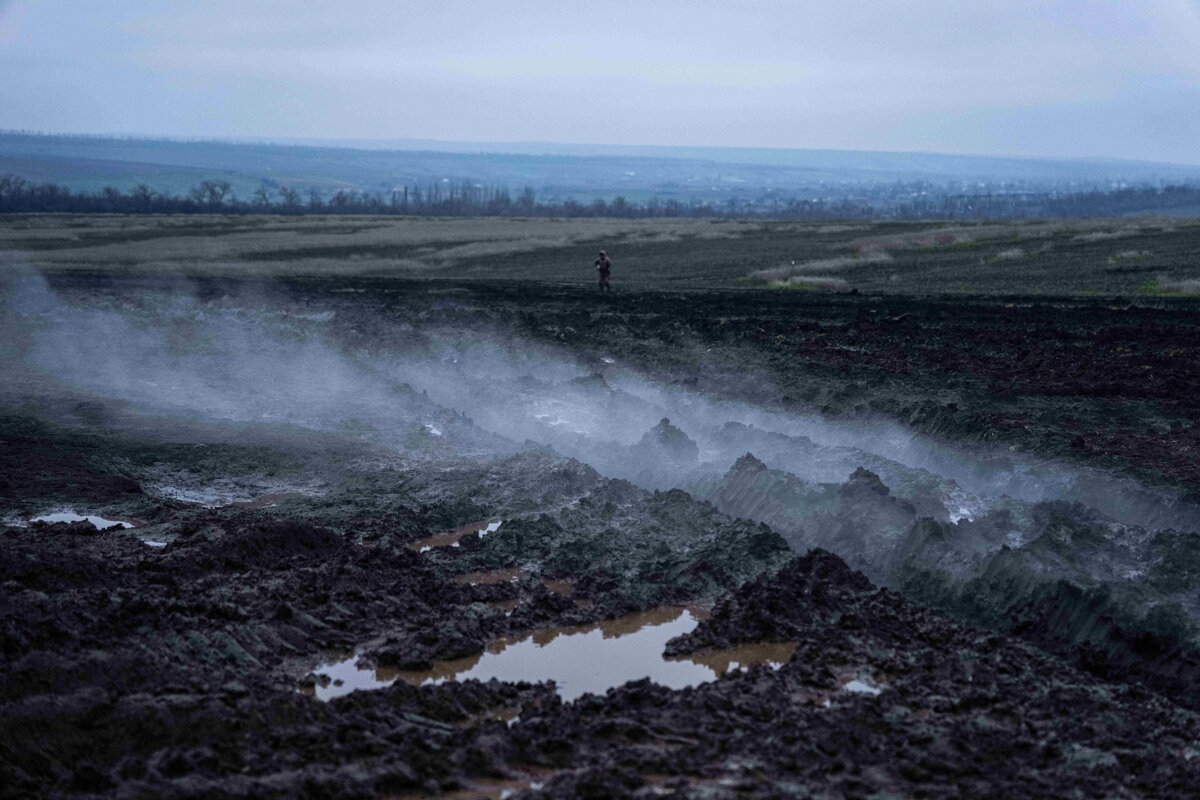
column 18, row 195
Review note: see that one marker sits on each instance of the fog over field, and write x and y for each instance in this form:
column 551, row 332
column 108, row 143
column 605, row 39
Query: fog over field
column 253, row 359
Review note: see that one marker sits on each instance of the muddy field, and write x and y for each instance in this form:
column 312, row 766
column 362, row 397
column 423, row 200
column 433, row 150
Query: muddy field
column 319, row 526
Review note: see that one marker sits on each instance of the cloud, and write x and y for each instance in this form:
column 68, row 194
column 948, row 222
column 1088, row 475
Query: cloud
column 899, row 75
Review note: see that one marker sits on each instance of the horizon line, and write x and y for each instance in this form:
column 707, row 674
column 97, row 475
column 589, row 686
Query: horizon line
column 346, row 143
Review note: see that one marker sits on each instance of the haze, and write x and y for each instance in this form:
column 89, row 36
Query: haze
column 1008, row 77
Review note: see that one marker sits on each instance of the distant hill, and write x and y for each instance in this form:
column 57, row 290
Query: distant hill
column 554, row 171
column 857, row 163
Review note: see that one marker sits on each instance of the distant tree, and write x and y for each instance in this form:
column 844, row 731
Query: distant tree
column 142, row 197
column 11, row 189
column 262, row 197
column 527, row 200
column 210, row 193
column 290, row 197
column 217, row 190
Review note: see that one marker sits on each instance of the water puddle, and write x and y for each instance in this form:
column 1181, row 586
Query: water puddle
column 510, row 575
column 859, row 686
column 564, row 586
column 579, row 659
column 451, row 538
column 857, row 682
column 560, row 586
column 481, row 789
column 266, row 500
column 746, row 655
column 63, row 516
column 226, row 492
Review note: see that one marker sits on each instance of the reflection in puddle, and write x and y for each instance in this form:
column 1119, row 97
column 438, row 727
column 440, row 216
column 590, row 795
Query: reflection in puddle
column 154, row 543
column 579, row 659
column 100, row 522
column 865, row 686
column 856, row 682
column 746, row 655
column 450, row 538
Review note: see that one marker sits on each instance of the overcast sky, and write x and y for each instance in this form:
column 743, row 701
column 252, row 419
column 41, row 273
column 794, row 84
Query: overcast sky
column 1116, row 78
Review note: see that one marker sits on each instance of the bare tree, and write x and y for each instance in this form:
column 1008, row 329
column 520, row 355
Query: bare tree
column 289, row 197
column 527, row 200
column 210, row 193
column 142, row 196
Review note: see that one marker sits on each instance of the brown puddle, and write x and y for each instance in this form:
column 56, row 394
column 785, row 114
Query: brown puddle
column 579, row 659
column 451, row 538
column 562, row 586
column 265, row 500
column 497, row 576
column 721, row 661
column 482, row 789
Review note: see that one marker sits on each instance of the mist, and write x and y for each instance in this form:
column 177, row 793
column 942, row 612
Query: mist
column 432, row 390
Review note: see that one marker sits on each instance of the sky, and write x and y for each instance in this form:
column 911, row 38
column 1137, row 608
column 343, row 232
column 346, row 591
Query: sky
column 1057, row 78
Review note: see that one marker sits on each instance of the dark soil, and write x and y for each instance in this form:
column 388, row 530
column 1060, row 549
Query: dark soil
column 1037, row 649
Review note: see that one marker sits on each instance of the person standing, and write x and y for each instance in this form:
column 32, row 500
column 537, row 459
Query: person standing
column 604, row 271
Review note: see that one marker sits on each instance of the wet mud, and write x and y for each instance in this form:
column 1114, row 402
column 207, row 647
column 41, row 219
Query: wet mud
column 704, row 585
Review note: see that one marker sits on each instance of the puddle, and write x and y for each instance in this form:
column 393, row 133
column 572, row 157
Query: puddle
column 496, row 576
column 847, row 683
column 579, row 659
column 861, row 687
column 746, row 655
column 481, row 789
column 154, row 543
column 451, row 538
column 100, row 522
column 235, row 493
column 266, row 500
column 560, row 586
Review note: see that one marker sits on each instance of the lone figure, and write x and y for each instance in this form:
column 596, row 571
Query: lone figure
column 603, row 271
